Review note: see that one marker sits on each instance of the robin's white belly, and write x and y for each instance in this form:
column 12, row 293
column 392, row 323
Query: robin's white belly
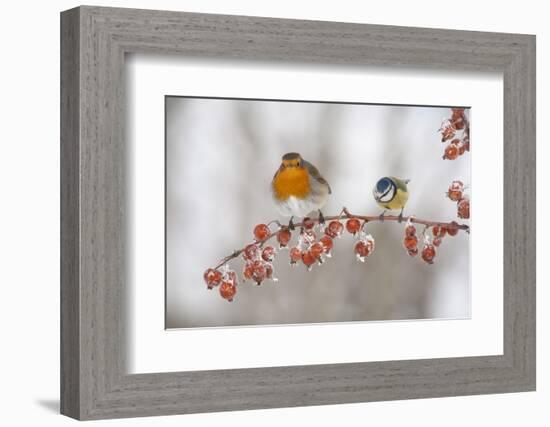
column 298, row 207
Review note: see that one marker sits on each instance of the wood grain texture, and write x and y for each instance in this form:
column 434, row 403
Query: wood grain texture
column 94, row 382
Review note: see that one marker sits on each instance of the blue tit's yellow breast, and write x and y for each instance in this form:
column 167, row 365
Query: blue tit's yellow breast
column 291, row 182
column 398, row 202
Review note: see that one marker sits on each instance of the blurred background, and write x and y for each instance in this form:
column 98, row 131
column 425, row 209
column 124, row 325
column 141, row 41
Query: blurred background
column 220, row 158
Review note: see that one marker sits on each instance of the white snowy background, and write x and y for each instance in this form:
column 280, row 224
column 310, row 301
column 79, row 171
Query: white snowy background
column 221, row 157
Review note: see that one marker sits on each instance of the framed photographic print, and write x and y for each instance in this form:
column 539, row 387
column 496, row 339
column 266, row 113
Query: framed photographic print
column 291, row 213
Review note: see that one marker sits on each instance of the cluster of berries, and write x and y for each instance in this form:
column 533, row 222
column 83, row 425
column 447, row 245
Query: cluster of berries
column 258, row 258
column 456, row 194
column 308, row 249
column 410, row 242
column 226, row 280
column 455, row 131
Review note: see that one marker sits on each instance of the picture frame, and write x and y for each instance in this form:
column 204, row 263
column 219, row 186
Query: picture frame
column 94, row 382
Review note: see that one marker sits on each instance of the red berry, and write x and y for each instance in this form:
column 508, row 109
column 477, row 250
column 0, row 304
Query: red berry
column 251, row 252
column 327, row 243
column 410, row 230
column 317, row 249
column 261, row 231
column 464, row 208
column 451, row 152
column 452, row 231
column 447, row 133
column 459, row 123
column 363, row 248
column 247, row 271
column 308, row 223
column 455, row 191
column 334, row 229
column 308, row 259
column 457, row 113
column 212, row 278
column 428, row 253
column 353, row 225
column 413, row 252
column 410, row 242
column 268, row 253
column 228, row 290
column 259, row 271
column 283, row 237
column 437, row 241
column 295, row 255
column 438, row 231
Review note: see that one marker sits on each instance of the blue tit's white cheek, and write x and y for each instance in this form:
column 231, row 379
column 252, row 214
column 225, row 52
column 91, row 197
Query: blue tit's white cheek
column 388, row 196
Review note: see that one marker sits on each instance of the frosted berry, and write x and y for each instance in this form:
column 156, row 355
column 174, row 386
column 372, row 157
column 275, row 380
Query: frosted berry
column 457, row 113
column 228, row 290
column 428, row 253
column 438, row 231
column 295, row 255
column 459, row 123
column 327, row 243
column 261, row 231
column 452, row 231
column 455, row 191
column 353, row 225
column 308, row 223
column 317, row 249
column 247, row 271
column 283, row 237
column 268, row 253
column 334, row 229
column 447, row 133
column 410, row 242
column 410, row 230
column 413, row 252
column 259, row 271
column 464, row 208
column 212, row 278
column 251, row 252
column 437, row 241
column 451, row 152
column 308, row 259
column 363, row 248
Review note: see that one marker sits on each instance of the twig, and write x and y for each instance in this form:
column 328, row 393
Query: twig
column 346, row 214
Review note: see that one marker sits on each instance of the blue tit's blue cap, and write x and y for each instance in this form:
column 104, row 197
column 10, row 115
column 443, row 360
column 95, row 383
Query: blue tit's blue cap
column 382, row 185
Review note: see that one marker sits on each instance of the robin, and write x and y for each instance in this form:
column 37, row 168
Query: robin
column 391, row 193
column 298, row 188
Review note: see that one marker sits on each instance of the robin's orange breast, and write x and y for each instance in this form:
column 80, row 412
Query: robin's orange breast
column 291, row 182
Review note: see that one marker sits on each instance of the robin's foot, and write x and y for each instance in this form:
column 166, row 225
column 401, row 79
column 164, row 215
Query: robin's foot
column 291, row 224
column 321, row 217
column 381, row 216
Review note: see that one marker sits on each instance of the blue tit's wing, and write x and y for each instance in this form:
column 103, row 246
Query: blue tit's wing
column 401, row 184
column 314, row 172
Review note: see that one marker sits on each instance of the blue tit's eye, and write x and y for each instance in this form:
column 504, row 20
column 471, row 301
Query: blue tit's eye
column 383, row 185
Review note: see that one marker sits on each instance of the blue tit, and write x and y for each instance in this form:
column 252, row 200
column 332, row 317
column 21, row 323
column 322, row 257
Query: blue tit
column 391, row 193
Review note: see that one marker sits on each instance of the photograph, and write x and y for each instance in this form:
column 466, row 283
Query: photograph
column 282, row 212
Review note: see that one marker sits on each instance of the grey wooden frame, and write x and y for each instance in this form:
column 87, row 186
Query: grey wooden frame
column 94, row 383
